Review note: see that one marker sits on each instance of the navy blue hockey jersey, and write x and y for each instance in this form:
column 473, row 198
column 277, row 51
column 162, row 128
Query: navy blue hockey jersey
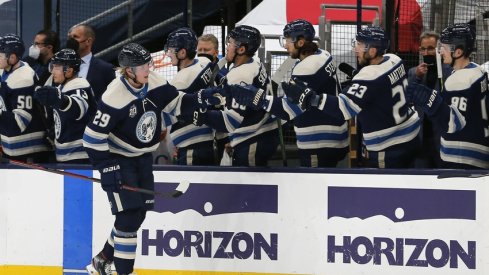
column 377, row 98
column 190, row 80
column 21, row 127
column 240, row 122
column 314, row 129
column 70, row 121
column 467, row 139
column 128, row 121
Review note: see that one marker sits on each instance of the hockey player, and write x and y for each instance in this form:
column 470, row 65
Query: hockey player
column 253, row 134
column 460, row 109
column 208, row 46
column 22, row 131
column 376, row 97
column 119, row 141
column 322, row 139
column 73, row 104
column 195, row 144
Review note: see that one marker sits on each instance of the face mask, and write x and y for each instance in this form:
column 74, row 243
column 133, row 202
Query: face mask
column 429, row 59
column 34, row 52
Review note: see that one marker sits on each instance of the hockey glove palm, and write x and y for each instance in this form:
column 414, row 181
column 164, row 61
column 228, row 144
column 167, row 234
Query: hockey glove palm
column 51, row 97
column 297, row 92
column 422, row 96
column 249, row 95
column 111, row 177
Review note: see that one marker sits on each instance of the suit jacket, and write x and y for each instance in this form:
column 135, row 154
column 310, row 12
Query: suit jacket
column 100, row 74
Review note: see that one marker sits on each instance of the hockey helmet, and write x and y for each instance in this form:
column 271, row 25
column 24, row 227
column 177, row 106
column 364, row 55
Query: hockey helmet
column 67, row 58
column 182, row 38
column 299, row 28
column 246, row 36
column 373, row 37
column 12, row 43
column 459, row 36
column 133, row 55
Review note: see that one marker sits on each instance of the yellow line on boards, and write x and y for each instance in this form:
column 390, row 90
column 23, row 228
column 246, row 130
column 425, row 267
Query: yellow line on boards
column 29, row 270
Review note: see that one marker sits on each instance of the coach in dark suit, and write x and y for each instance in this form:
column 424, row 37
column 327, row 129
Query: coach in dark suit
column 98, row 72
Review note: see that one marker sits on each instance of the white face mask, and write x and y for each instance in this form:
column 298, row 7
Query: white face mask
column 34, row 52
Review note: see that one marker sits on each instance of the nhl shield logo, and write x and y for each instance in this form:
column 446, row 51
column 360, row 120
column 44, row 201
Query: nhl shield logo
column 133, row 111
column 146, row 127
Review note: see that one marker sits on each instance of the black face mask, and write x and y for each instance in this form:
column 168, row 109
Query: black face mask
column 72, row 43
column 432, row 74
column 211, row 57
column 429, row 59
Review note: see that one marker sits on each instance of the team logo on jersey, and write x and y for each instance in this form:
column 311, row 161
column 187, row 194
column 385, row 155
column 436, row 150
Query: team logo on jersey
column 2, row 105
column 146, row 127
column 133, row 111
column 57, row 124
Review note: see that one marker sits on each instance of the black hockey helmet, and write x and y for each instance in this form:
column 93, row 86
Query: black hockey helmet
column 182, row 38
column 133, row 55
column 12, row 43
column 373, row 37
column 246, row 36
column 69, row 58
column 459, row 36
column 299, row 28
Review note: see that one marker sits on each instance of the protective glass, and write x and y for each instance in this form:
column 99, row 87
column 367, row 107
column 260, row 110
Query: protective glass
column 171, row 51
column 55, row 67
column 356, row 45
column 230, row 42
column 441, row 47
column 285, row 40
column 144, row 68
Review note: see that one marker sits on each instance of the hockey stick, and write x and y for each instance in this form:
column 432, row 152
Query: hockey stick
column 277, row 77
column 461, row 175
column 180, row 190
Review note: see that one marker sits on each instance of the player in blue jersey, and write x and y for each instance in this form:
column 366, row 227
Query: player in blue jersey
column 376, row 97
column 322, row 139
column 253, row 134
column 460, row 109
column 22, row 132
column 195, row 144
column 119, row 141
column 72, row 101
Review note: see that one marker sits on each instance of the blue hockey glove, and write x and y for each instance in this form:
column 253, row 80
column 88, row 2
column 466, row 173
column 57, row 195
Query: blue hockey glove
column 51, row 97
column 422, row 96
column 211, row 97
column 249, row 95
column 297, row 92
column 111, row 178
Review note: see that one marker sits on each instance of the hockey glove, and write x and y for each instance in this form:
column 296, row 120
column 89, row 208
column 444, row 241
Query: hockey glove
column 297, row 92
column 51, row 97
column 199, row 117
column 210, row 97
column 249, row 95
column 422, row 96
column 111, row 178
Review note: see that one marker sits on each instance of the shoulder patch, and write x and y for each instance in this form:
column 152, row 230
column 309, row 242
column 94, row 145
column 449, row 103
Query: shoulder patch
column 21, row 78
column 77, row 83
column 463, row 79
column 243, row 73
column 311, row 64
column 117, row 96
